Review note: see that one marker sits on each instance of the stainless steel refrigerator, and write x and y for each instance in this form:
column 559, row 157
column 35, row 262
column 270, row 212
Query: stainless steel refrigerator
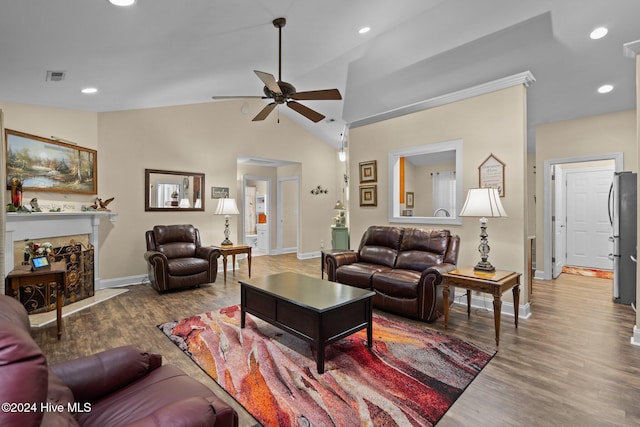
column 623, row 217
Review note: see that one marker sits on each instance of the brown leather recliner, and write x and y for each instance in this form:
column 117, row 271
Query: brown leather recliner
column 404, row 266
column 176, row 258
column 123, row 386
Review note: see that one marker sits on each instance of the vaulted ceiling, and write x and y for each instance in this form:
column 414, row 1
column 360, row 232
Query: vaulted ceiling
column 172, row 52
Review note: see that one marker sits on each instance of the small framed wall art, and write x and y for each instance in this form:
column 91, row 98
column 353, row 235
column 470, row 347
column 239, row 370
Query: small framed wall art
column 409, row 199
column 368, row 172
column 369, row 195
column 491, row 174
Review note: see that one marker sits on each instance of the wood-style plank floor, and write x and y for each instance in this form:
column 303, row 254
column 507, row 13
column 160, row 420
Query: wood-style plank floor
column 570, row 364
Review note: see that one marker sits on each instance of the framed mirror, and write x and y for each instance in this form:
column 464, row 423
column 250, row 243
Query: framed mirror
column 425, row 184
column 172, row 190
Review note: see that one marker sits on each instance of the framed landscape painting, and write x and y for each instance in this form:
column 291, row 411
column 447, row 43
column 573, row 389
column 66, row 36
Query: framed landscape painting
column 44, row 164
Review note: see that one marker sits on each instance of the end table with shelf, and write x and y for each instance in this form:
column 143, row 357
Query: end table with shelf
column 47, row 282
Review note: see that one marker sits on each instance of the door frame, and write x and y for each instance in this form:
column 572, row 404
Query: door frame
column 246, row 178
column 279, row 247
column 618, row 159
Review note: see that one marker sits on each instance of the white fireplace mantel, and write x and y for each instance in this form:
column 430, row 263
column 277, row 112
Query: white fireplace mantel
column 39, row 225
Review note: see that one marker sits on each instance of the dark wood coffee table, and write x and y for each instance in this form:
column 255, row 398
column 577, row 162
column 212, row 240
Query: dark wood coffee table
column 318, row 311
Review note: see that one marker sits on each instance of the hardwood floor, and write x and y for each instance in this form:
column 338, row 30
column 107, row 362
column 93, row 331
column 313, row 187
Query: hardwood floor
column 570, row 364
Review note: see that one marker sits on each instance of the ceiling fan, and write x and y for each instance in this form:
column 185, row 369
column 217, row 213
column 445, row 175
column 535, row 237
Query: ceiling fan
column 281, row 92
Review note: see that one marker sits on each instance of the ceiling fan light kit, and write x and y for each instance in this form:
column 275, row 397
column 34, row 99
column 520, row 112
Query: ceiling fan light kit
column 281, row 92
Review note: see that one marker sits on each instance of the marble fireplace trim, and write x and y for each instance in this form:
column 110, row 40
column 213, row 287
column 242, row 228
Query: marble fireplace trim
column 43, row 225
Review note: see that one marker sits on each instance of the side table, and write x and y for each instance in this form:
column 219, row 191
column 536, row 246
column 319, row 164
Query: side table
column 55, row 276
column 495, row 283
column 225, row 251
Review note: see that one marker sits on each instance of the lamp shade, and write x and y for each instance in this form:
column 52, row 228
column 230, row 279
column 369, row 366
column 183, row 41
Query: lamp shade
column 483, row 202
column 226, row 207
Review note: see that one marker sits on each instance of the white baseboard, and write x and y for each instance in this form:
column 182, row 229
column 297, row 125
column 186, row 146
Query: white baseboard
column 309, row 255
column 118, row 282
column 539, row 275
column 635, row 338
column 485, row 302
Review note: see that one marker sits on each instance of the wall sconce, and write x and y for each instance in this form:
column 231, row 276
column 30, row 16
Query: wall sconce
column 342, row 155
column 319, row 190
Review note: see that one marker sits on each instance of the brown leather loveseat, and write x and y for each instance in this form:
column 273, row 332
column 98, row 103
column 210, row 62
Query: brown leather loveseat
column 123, row 386
column 176, row 258
column 404, row 266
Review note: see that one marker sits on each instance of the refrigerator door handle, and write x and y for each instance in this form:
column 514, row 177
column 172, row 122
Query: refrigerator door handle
column 609, row 203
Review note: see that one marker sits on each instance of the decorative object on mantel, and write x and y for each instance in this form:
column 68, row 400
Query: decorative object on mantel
column 45, row 164
column 34, row 205
column 491, row 174
column 100, row 205
column 319, row 190
column 16, row 192
column 368, row 171
column 483, row 202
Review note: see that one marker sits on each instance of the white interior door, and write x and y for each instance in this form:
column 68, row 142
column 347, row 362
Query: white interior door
column 588, row 227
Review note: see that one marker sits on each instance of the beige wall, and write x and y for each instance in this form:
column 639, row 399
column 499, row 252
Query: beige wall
column 587, row 136
column 492, row 123
column 203, row 138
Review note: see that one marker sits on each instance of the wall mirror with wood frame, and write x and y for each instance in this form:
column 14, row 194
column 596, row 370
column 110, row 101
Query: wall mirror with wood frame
column 425, row 184
column 172, row 190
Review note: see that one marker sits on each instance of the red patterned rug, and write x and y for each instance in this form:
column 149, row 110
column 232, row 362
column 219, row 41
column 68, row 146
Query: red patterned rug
column 410, row 377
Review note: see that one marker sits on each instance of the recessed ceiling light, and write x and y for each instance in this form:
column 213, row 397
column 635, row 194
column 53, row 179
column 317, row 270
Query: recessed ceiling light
column 605, row 88
column 364, row 30
column 122, row 2
column 89, row 90
column 598, row 33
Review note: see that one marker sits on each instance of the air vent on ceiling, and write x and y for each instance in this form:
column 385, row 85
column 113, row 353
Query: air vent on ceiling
column 55, row 76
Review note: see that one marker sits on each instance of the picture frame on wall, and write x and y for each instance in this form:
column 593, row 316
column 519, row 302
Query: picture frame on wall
column 368, row 171
column 409, row 199
column 43, row 164
column 369, row 195
column 491, row 174
column 219, row 192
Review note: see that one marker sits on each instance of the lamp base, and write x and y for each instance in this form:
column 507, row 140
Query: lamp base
column 484, row 266
column 226, row 242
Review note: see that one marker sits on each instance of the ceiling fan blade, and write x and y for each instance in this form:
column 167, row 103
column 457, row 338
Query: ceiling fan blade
column 333, row 94
column 310, row 114
column 264, row 112
column 238, row 97
column 269, row 81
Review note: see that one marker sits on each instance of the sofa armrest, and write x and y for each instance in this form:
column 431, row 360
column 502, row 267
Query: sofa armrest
column 439, row 270
column 195, row 411
column 335, row 260
column 208, row 253
column 91, row 377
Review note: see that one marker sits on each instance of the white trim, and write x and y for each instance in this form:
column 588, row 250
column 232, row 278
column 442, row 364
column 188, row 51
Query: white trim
column 616, row 157
column 525, row 78
column 309, row 255
column 631, row 49
column 246, row 178
column 118, row 282
column 635, row 338
column 485, row 302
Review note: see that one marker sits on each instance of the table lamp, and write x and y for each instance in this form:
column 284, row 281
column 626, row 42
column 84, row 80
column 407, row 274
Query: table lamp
column 483, row 203
column 226, row 207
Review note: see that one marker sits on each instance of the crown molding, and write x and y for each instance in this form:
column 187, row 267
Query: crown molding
column 631, row 49
column 525, row 78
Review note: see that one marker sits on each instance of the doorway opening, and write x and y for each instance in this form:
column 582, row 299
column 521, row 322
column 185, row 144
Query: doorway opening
column 576, row 224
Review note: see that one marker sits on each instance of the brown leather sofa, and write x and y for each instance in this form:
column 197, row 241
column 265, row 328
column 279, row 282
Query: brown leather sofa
column 124, row 386
column 176, row 258
column 404, row 266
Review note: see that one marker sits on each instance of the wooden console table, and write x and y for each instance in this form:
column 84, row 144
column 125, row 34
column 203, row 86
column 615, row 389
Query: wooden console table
column 40, row 280
column 495, row 283
column 225, row 251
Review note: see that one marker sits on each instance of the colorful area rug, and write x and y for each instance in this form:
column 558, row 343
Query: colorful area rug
column 410, row 377
column 591, row 272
